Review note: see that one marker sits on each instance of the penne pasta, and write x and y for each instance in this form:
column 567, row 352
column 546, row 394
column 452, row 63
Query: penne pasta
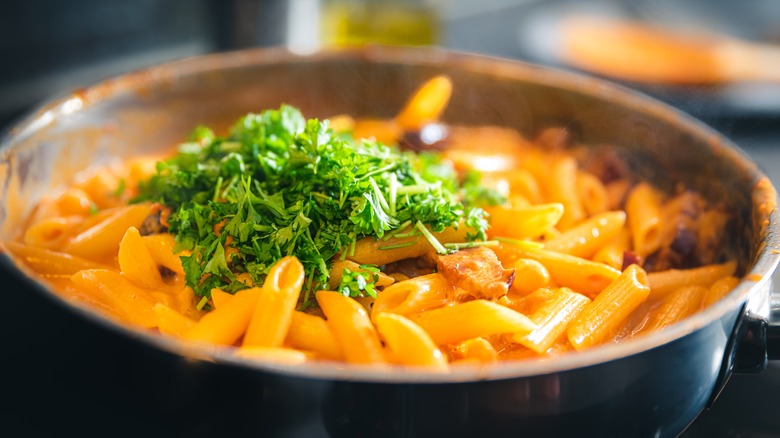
column 408, row 344
column 579, row 274
column 525, row 221
column 426, row 104
column 592, row 193
column 111, row 289
column 472, row 319
column 370, row 251
column 273, row 310
column 171, row 322
column 312, row 333
column 48, row 263
column 74, row 201
column 676, row 306
column 600, row 320
column 337, row 271
column 643, row 208
column 102, row 239
column 563, row 189
column 414, row 295
column 665, row 282
column 162, row 249
column 611, row 254
column 219, row 297
column 51, row 233
column 285, row 356
column 718, row 290
column 136, row 262
column 225, row 325
column 352, row 328
column 552, row 319
column 590, row 235
column 477, row 349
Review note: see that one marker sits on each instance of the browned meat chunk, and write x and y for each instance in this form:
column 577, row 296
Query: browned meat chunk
column 478, row 271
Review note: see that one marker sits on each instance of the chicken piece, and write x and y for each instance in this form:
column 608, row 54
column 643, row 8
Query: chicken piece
column 477, row 271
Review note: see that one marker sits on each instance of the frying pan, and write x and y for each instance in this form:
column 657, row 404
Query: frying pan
column 654, row 385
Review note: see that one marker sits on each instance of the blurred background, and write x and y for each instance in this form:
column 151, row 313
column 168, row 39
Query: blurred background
column 717, row 60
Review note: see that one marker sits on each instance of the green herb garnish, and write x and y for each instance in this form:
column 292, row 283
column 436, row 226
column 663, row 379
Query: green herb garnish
column 281, row 185
column 359, row 283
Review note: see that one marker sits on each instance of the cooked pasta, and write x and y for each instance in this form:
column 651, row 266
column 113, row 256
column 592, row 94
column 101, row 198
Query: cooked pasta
column 495, row 247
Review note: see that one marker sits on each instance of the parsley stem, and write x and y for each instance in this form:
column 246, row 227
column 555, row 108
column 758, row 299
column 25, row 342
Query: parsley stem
column 414, row 189
column 202, row 303
column 463, row 245
column 393, row 193
column 395, row 232
column 433, row 241
column 389, row 167
column 217, row 189
column 398, row 245
column 379, row 195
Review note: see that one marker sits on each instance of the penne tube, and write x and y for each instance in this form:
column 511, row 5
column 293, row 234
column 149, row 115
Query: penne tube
column 351, row 326
column 225, row 325
column 273, row 310
column 527, row 304
column 524, row 221
column 581, row 275
column 718, row 290
column 611, row 254
column 600, row 320
column 592, row 193
column 552, row 319
column 472, row 319
column 312, row 333
column 136, row 262
column 102, row 240
column 74, row 201
column 383, row 131
column 408, row 344
column 341, row 122
column 426, row 104
column 370, row 251
column 664, row 282
column 563, row 188
column 219, row 297
column 162, row 248
column 414, row 295
column 285, row 356
column 617, row 192
column 337, row 271
column 516, row 182
column 171, row 322
column 51, row 233
column 584, row 239
column 110, row 288
column 477, row 349
column 677, row 305
column 47, row 262
column 643, row 208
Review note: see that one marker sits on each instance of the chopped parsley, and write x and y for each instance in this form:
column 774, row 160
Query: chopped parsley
column 359, row 283
column 280, row 185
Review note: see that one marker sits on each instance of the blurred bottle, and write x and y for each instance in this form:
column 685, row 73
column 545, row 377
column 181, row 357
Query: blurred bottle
column 391, row 22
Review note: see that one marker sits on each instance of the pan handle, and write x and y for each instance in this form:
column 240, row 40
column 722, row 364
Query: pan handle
column 754, row 341
column 773, row 329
